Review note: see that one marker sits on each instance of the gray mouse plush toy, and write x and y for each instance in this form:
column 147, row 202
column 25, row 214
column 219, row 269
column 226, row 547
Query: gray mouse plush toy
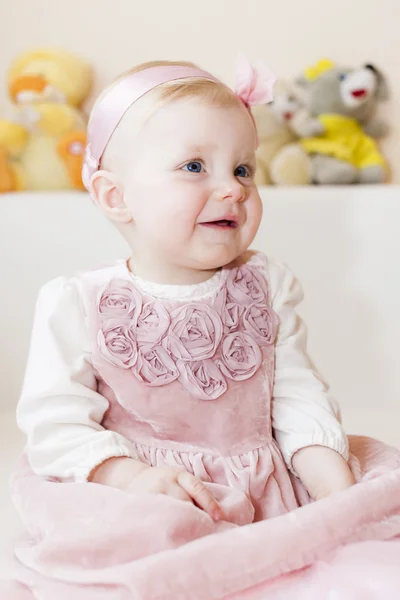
column 339, row 132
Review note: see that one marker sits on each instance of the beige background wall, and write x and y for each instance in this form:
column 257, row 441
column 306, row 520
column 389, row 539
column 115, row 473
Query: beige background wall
column 288, row 34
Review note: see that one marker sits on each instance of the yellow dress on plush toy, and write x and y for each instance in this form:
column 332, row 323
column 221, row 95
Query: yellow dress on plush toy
column 47, row 88
column 345, row 139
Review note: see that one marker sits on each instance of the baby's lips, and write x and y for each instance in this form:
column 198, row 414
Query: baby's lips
column 232, row 220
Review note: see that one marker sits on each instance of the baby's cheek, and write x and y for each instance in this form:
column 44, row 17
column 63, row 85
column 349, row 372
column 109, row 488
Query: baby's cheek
column 168, row 227
column 254, row 211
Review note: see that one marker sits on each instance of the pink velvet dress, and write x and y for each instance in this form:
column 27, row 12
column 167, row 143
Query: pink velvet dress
column 189, row 384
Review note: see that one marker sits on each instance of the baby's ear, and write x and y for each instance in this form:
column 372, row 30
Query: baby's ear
column 107, row 192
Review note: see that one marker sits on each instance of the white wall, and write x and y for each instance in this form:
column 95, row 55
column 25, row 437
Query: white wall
column 344, row 247
column 288, row 34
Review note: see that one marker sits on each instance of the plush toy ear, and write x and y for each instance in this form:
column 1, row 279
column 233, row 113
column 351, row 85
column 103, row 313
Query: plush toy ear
column 382, row 90
column 303, row 82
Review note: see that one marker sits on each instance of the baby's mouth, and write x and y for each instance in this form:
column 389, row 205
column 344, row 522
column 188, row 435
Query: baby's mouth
column 221, row 224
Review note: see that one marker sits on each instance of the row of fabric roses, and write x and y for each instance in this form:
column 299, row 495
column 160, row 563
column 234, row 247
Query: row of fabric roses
column 160, row 347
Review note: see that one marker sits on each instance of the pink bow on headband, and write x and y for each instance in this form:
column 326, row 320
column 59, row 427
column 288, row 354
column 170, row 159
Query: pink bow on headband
column 254, row 86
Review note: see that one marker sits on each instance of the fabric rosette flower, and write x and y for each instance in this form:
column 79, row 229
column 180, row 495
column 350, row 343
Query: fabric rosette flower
column 117, row 343
column 241, row 356
column 195, row 332
column 203, row 379
column 152, row 324
column 245, row 285
column 155, row 367
column 261, row 322
column 230, row 311
column 120, row 299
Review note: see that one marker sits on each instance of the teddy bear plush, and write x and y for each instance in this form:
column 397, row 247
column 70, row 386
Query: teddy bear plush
column 42, row 142
column 280, row 159
column 340, row 131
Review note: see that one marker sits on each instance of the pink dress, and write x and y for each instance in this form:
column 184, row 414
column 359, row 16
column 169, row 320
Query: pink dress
column 189, row 384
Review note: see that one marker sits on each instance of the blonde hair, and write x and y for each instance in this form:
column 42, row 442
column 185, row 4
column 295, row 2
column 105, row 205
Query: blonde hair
column 211, row 92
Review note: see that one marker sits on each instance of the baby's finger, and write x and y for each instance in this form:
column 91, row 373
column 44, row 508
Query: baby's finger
column 200, row 494
column 177, row 491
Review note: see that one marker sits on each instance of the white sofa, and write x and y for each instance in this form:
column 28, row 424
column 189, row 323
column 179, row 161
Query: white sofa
column 342, row 243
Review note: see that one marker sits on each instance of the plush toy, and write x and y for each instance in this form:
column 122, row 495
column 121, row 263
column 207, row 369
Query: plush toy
column 42, row 143
column 13, row 140
column 280, row 159
column 338, row 134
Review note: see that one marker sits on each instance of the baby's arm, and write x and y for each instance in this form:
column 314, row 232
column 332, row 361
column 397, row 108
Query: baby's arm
column 61, row 411
column 305, row 419
column 322, row 471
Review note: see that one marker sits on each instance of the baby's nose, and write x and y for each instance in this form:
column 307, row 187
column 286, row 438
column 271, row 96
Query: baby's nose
column 233, row 192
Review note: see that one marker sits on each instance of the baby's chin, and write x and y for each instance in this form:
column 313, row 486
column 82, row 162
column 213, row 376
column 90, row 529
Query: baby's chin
column 215, row 258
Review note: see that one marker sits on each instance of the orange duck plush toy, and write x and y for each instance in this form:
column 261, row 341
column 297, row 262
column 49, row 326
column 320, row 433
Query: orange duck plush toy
column 43, row 141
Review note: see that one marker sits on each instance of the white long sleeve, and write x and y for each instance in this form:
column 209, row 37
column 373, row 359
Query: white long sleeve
column 303, row 413
column 60, row 410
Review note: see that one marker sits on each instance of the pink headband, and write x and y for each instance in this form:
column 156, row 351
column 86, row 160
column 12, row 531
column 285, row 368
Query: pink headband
column 253, row 86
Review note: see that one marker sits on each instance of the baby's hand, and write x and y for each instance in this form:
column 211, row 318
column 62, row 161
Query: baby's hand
column 134, row 476
column 178, row 484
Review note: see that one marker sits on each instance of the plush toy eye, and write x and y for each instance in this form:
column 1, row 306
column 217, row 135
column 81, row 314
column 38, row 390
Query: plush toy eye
column 342, row 76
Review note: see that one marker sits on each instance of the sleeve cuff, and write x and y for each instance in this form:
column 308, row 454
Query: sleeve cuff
column 96, row 455
column 325, row 439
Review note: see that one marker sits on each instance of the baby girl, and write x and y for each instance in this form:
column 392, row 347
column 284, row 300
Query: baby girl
column 180, row 372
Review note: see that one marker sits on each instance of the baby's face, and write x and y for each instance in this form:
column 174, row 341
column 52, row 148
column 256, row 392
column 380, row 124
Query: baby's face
column 189, row 185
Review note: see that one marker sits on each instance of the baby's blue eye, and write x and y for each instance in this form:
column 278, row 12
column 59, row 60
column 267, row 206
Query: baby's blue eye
column 193, row 167
column 241, row 171
column 342, row 76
